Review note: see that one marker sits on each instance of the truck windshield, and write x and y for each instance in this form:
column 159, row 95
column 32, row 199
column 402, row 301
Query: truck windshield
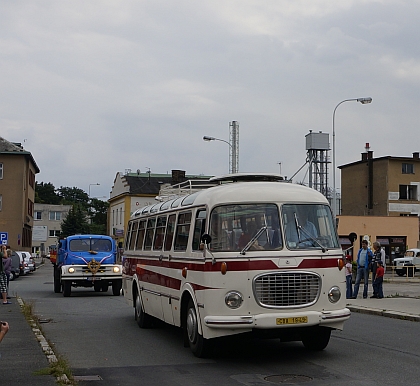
column 309, row 227
column 232, row 227
column 85, row 245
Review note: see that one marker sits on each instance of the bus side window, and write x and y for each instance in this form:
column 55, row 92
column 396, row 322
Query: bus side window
column 134, row 226
column 160, row 233
column 199, row 228
column 127, row 239
column 149, row 233
column 182, row 231
column 140, row 235
column 170, row 228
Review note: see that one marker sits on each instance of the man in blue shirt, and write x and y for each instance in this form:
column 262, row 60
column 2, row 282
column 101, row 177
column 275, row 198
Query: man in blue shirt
column 364, row 258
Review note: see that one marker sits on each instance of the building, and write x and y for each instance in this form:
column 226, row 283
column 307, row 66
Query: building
column 47, row 226
column 380, row 201
column 17, row 195
column 132, row 191
column 383, row 186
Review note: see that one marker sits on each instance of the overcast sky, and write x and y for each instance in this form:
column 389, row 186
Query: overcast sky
column 93, row 88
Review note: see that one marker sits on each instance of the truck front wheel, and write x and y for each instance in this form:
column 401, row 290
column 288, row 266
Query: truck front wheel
column 66, row 288
column 57, row 281
column 116, row 287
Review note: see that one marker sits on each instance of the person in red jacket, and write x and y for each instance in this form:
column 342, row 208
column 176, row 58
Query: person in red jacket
column 377, row 284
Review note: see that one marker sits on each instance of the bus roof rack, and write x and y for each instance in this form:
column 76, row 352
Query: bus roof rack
column 238, row 177
column 183, row 189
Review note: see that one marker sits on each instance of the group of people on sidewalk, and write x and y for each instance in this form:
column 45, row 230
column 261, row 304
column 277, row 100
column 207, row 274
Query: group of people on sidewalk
column 367, row 261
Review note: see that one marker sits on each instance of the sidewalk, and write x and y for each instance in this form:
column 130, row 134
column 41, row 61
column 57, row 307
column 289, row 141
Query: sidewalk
column 401, row 301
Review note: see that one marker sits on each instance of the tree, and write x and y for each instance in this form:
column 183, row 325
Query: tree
column 70, row 196
column 75, row 222
column 45, row 193
column 98, row 212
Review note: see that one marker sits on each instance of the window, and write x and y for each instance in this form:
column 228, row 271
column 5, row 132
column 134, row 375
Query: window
column 182, row 231
column 54, row 233
column 30, row 208
column 140, row 235
column 1, row 171
column 407, row 169
column 160, row 233
column 170, row 229
column 31, row 178
column 199, row 229
column 37, row 215
column 150, row 230
column 408, row 192
column 133, row 235
column 55, row 216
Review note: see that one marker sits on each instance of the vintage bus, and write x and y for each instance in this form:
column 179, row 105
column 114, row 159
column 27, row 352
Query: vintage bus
column 252, row 253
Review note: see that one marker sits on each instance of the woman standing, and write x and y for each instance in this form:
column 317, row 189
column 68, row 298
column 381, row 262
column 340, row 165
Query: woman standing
column 3, row 277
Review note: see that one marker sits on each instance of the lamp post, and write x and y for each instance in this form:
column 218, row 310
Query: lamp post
column 232, row 165
column 92, row 185
column 363, row 101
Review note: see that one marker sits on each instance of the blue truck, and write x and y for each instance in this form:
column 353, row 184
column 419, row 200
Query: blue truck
column 87, row 261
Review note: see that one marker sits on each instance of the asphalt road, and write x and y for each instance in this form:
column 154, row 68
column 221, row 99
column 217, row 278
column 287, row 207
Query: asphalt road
column 97, row 334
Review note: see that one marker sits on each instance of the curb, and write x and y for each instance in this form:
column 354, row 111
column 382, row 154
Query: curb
column 388, row 314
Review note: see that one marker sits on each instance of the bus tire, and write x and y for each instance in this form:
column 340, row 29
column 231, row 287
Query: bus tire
column 143, row 320
column 66, row 288
column 200, row 346
column 57, row 281
column 316, row 338
column 116, row 287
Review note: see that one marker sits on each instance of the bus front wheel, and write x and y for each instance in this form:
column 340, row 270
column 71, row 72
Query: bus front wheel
column 200, row 346
column 316, row 338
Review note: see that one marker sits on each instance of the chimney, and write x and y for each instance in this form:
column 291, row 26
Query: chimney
column 178, row 176
column 416, row 155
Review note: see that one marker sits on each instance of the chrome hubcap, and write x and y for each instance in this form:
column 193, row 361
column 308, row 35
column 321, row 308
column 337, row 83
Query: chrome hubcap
column 192, row 325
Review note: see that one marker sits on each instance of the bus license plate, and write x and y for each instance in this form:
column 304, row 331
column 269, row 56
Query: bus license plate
column 296, row 320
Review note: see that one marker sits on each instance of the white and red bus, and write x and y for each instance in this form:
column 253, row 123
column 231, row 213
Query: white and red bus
column 251, row 254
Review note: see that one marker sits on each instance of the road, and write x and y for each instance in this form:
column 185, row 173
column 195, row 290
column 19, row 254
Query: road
column 98, row 336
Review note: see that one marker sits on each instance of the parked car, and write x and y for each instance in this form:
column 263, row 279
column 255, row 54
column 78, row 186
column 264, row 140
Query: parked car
column 15, row 272
column 409, row 264
column 25, row 264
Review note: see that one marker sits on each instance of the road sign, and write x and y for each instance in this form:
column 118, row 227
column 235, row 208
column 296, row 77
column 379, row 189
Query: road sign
column 4, row 236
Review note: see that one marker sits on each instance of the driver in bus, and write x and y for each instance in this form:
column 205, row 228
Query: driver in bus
column 219, row 237
column 300, row 237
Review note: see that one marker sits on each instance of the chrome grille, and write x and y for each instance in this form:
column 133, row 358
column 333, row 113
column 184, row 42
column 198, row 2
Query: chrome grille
column 286, row 289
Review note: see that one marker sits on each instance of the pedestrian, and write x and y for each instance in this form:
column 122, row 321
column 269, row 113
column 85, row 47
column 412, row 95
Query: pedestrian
column 7, row 267
column 4, row 327
column 378, row 291
column 364, row 259
column 3, row 277
column 349, row 277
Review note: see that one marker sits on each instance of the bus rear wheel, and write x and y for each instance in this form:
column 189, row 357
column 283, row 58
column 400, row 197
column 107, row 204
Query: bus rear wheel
column 200, row 346
column 316, row 338
column 143, row 320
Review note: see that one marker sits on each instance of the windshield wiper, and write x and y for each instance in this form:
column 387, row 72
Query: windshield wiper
column 307, row 235
column 250, row 242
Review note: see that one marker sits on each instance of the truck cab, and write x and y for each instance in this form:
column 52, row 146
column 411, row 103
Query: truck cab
column 87, row 261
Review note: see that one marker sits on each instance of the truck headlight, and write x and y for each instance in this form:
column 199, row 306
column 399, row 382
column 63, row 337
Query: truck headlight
column 233, row 299
column 71, row 270
column 116, row 269
column 334, row 294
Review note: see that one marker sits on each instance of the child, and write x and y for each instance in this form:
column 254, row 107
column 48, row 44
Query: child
column 349, row 270
column 377, row 284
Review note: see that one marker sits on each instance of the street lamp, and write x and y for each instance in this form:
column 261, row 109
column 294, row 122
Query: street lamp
column 363, row 101
column 92, row 185
column 232, row 166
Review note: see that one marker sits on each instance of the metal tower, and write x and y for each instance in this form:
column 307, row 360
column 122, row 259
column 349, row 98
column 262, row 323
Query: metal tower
column 234, row 147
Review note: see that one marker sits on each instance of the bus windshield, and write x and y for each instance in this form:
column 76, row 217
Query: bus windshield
column 308, row 226
column 233, row 227
column 86, row 245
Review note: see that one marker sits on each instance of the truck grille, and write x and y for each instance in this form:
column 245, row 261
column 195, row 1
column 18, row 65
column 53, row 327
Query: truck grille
column 287, row 289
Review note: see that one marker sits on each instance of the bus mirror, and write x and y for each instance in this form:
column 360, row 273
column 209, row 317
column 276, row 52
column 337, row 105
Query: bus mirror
column 206, row 238
column 352, row 237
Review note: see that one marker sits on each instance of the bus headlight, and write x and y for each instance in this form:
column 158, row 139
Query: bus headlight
column 334, row 294
column 116, row 269
column 233, row 299
column 71, row 270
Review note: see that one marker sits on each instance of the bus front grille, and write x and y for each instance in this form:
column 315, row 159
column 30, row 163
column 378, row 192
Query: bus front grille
column 286, row 289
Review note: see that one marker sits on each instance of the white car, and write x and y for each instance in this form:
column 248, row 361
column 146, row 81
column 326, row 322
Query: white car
column 26, row 262
column 408, row 264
